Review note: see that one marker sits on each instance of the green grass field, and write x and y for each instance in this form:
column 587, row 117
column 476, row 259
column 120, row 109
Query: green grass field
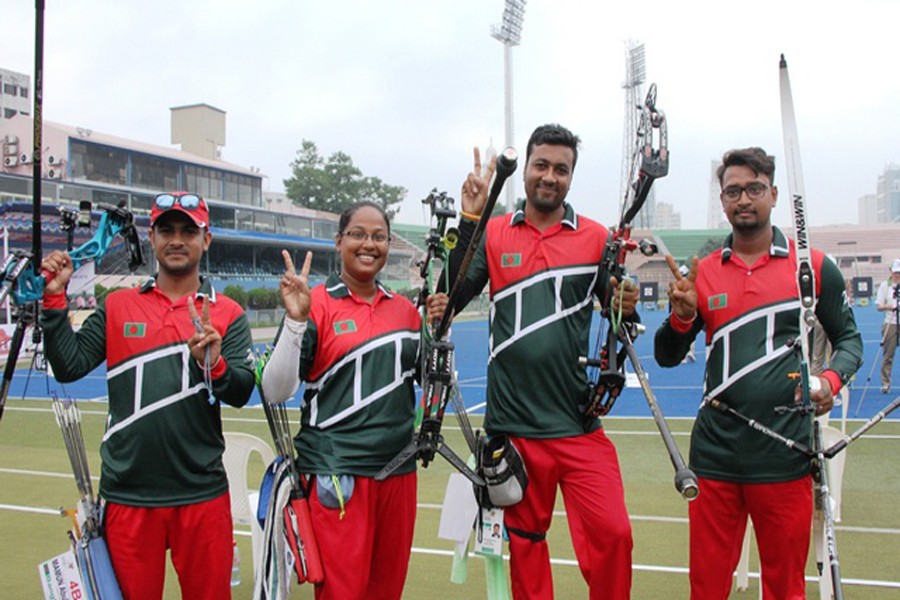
column 35, row 480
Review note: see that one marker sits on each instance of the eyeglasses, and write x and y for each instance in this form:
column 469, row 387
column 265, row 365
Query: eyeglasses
column 755, row 191
column 358, row 235
column 186, row 201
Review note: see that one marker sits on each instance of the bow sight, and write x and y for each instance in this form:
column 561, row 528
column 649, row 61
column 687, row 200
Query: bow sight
column 439, row 241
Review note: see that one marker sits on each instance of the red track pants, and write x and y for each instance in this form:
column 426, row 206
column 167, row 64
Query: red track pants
column 781, row 513
column 200, row 537
column 586, row 469
column 365, row 554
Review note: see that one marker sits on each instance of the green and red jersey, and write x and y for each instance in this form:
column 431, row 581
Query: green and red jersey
column 359, row 361
column 750, row 313
column 542, row 289
column 163, row 443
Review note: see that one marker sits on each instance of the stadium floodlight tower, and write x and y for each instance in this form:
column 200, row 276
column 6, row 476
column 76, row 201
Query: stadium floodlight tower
column 509, row 33
column 635, row 75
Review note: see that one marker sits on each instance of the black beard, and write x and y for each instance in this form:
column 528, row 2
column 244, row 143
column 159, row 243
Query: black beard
column 544, row 205
column 748, row 227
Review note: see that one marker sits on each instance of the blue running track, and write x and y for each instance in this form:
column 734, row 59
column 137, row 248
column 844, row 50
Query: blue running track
column 677, row 390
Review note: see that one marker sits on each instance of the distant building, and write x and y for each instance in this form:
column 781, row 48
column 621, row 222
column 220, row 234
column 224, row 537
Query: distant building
column 868, row 209
column 666, row 217
column 715, row 218
column 15, row 94
column 887, row 195
column 200, row 129
column 644, row 219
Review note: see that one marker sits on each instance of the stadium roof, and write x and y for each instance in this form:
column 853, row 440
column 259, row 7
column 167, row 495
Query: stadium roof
column 683, row 244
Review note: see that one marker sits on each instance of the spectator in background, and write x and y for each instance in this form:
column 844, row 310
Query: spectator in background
column 886, row 302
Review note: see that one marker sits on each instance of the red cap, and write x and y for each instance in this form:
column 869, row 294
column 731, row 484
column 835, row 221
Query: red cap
column 199, row 215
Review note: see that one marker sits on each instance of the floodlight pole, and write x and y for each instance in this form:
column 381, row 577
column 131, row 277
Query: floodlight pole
column 635, row 75
column 509, row 33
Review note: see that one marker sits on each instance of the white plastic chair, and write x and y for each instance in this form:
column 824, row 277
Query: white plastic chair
column 742, row 575
column 238, row 449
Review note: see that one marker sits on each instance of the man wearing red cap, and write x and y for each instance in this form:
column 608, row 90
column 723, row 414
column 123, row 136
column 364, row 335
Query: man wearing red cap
column 173, row 349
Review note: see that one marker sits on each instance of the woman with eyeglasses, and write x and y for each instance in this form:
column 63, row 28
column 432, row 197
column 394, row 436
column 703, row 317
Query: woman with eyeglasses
column 355, row 345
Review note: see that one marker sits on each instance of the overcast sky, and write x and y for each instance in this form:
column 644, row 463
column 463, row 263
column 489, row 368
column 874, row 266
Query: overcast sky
column 408, row 87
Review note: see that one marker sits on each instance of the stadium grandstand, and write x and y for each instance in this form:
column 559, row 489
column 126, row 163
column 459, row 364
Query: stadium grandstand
column 250, row 230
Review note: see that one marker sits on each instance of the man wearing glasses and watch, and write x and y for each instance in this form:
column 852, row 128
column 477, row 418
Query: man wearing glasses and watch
column 174, row 349
column 744, row 296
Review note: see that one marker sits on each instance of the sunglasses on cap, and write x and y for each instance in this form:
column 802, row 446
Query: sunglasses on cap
column 186, row 201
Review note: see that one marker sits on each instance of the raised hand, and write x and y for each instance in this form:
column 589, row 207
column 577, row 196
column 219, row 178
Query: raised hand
column 295, row 288
column 682, row 293
column 205, row 335
column 58, row 267
column 475, row 187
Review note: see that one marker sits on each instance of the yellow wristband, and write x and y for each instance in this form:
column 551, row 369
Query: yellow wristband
column 470, row 216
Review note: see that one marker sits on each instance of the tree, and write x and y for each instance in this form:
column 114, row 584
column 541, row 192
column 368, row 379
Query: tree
column 263, row 298
column 709, row 246
column 236, row 293
column 100, row 293
column 334, row 184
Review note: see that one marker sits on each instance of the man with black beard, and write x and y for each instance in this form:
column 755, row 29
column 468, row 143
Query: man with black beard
column 542, row 263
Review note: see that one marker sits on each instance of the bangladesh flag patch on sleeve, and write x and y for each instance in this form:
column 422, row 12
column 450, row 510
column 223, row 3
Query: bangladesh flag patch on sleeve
column 137, row 330
column 718, row 301
column 348, row 326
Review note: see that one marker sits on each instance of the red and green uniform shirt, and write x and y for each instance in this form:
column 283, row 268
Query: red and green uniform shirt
column 542, row 288
column 749, row 314
column 358, row 361
column 163, row 442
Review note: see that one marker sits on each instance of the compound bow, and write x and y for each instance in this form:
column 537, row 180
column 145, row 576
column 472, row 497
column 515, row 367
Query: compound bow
column 438, row 377
column 648, row 163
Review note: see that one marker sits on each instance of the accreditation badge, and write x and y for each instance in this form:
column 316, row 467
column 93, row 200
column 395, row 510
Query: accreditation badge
column 490, row 540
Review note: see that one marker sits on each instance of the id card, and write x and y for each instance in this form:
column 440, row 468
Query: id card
column 491, row 542
column 60, row 578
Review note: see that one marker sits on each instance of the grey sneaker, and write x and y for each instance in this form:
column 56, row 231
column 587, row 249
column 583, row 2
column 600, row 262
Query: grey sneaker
column 885, row 389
